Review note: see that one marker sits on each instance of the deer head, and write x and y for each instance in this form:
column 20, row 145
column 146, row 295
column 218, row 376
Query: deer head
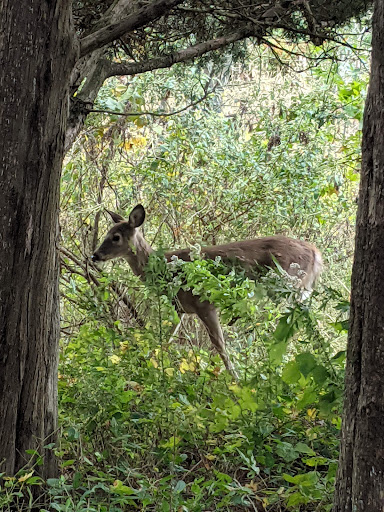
column 125, row 240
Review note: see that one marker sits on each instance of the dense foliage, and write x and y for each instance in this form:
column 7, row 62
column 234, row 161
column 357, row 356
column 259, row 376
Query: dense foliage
column 150, row 421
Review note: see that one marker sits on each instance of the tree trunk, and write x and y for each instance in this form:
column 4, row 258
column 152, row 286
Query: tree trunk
column 37, row 56
column 360, row 481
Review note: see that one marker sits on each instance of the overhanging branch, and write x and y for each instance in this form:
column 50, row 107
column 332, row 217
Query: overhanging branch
column 105, row 69
column 132, row 68
column 117, row 29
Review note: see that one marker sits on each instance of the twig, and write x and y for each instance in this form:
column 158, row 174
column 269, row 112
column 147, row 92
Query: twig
column 154, row 114
column 89, row 275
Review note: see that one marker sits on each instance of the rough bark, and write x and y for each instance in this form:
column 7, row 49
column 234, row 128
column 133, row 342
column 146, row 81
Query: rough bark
column 360, row 482
column 95, row 69
column 37, row 55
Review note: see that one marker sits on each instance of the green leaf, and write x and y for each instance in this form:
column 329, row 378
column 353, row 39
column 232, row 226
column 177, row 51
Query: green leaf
column 296, row 499
column 306, row 362
column 320, row 374
column 54, row 482
column 67, row 463
column 77, row 480
column 123, row 490
column 284, row 329
column 180, row 486
column 291, row 479
column 172, row 442
column 315, row 461
column 304, row 448
column 304, row 479
column 341, row 326
column 286, row 451
column 291, row 373
column 277, row 351
column 34, row 480
column 309, row 396
column 340, row 356
column 73, row 434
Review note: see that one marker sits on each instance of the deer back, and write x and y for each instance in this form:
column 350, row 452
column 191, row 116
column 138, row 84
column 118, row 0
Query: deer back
column 259, row 253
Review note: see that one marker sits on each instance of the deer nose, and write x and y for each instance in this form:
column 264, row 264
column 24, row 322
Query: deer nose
column 95, row 257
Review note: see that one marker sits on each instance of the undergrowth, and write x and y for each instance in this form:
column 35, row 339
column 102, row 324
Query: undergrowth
column 147, row 424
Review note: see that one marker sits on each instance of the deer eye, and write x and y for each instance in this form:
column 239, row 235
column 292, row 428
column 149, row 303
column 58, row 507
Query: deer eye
column 116, row 238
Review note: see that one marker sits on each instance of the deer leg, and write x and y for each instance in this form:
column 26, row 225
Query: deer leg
column 208, row 315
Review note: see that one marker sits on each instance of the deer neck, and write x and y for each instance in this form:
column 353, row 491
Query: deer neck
column 137, row 256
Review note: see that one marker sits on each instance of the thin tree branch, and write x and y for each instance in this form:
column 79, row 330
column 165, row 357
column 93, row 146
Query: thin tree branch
column 117, row 29
column 154, row 114
column 105, row 69
column 132, row 68
column 89, row 274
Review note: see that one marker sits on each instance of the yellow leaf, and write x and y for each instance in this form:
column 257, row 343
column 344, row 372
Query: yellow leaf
column 169, row 371
column 139, row 141
column 252, row 485
column 155, row 364
column 192, row 355
column 115, row 359
column 26, row 476
column 120, row 88
column 312, row 413
column 184, row 366
column 124, row 346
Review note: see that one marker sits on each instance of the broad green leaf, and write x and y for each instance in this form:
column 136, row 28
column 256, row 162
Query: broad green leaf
column 309, row 396
column 291, row 373
column 286, row 451
column 180, row 486
column 306, row 363
column 277, row 351
column 315, row 461
column 296, row 499
column 320, row 374
column 285, row 329
column 304, row 448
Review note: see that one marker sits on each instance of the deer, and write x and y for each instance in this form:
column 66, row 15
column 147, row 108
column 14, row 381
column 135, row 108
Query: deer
column 296, row 257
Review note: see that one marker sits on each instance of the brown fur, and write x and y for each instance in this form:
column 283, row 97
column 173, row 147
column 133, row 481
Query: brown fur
column 261, row 252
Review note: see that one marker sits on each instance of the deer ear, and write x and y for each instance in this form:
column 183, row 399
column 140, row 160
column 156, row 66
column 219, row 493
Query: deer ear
column 137, row 216
column 115, row 216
